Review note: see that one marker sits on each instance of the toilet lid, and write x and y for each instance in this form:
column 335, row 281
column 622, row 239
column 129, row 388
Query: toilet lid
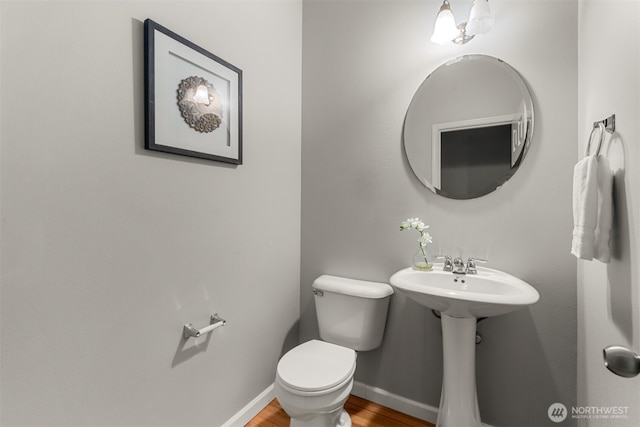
column 316, row 365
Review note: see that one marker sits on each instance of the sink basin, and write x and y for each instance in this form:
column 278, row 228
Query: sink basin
column 488, row 293
column 461, row 299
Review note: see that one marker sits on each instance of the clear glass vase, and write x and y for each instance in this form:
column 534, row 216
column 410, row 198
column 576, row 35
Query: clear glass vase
column 423, row 259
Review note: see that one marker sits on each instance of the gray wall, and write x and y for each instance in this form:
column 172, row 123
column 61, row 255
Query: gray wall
column 108, row 249
column 609, row 294
column 362, row 62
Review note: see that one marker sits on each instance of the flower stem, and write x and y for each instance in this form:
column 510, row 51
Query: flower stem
column 424, row 255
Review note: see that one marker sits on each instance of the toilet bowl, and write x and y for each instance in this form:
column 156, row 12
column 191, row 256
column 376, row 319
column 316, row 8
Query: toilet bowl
column 314, row 379
column 313, row 382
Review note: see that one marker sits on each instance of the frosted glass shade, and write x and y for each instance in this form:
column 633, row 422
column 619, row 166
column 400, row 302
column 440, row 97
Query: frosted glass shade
column 445, row 29
column 480, row 19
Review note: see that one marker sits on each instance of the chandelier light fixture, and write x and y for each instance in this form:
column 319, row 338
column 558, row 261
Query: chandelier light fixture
column 446, row 31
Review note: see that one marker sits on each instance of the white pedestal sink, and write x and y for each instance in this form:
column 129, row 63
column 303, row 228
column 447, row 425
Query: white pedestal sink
column 461, row 299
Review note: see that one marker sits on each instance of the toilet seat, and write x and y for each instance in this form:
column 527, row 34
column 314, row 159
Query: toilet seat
column 316, row 366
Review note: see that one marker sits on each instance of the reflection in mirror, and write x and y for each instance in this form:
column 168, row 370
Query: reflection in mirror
column 468, row 127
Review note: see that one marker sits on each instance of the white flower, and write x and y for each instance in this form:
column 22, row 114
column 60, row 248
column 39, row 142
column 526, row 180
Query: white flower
column 424, row 239
column 421, row 227
column 416, row 223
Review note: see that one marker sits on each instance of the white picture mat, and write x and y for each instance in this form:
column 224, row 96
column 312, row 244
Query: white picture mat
column 173, row 62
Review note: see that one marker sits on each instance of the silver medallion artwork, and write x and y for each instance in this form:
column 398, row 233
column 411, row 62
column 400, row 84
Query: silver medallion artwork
column 199, row 104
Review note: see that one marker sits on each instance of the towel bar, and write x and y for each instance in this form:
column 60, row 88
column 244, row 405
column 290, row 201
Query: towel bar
column 609, row 123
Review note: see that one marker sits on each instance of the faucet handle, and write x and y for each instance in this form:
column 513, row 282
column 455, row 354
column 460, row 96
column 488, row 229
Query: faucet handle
column 471, row 265
column 448, row 263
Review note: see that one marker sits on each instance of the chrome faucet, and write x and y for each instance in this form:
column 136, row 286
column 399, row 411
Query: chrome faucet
column 457, row 265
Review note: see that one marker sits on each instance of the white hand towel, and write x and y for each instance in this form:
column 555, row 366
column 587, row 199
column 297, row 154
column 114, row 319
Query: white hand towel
column 605, row 211
column 585, row 207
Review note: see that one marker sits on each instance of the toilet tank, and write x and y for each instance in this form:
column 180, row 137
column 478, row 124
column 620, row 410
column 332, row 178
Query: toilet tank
column 351, row 313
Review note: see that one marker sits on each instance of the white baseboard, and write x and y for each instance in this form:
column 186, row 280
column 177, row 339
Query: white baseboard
column 251, row 409
column 374, row 394
column 401, row 404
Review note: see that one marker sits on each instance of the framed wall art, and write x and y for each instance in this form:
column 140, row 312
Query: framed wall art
column 193, row 99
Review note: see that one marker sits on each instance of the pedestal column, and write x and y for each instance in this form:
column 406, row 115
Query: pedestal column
column 459, row 401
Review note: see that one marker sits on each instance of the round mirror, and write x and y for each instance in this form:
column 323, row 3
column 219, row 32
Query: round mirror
column 468, row 127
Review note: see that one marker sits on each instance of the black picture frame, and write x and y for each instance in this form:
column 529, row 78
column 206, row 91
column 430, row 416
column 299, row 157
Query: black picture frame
column 177, row 120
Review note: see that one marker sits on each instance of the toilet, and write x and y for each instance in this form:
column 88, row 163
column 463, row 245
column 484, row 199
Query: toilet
column 314, row 379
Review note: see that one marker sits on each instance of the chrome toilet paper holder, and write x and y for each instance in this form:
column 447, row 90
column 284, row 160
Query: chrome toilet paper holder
column 189, row 331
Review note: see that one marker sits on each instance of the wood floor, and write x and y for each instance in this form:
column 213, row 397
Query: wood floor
column 363, row 414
